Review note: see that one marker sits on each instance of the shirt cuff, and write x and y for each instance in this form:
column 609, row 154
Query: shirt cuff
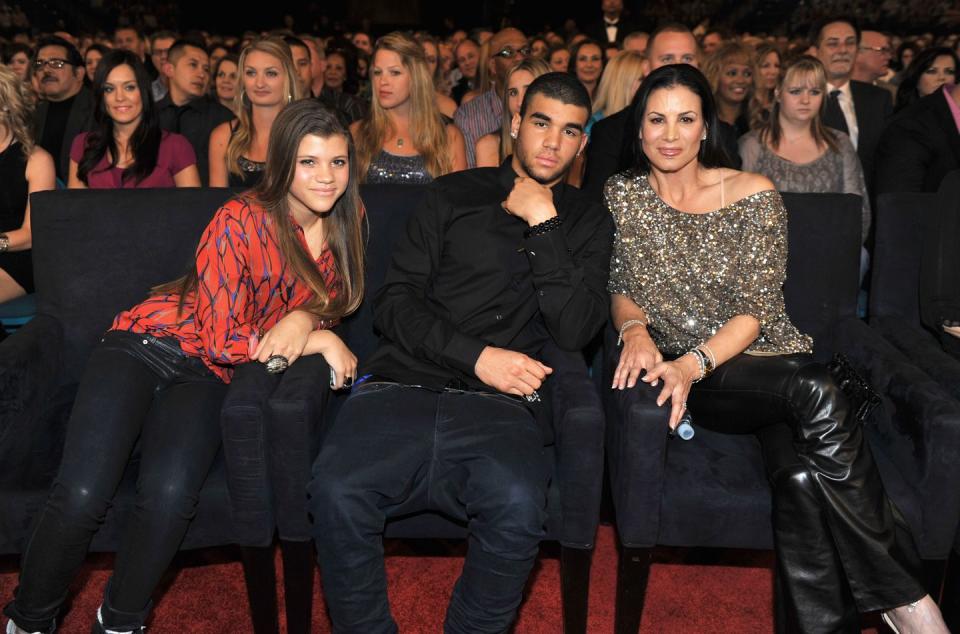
column 547, row 252
column 462, row 352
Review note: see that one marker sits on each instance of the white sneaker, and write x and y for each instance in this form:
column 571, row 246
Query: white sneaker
column 13, row 629
column 105, row 630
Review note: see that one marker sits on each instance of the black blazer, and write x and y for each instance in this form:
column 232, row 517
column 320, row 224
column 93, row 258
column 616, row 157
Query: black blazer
column 873, row 106
column 79, row 120
column 598, row 30
column 919, row 147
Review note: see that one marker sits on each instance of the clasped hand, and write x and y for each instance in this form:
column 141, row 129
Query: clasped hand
column 530, row 201
column 510, row 372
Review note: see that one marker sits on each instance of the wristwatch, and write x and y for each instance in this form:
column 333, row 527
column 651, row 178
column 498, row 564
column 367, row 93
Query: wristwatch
column 4, row 242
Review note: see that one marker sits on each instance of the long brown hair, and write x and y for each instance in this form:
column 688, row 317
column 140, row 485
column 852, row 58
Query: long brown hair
column 535, row 67
column 242, row 138
column 427, row 127
column 813, row 71
column 762, row 100
column 344, row 224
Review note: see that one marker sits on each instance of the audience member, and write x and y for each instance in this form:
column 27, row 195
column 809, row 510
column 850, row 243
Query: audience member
column 940, row 268
column 269, row 82
column 930, row 70
column 539, row 47
column 66, row 108
column 853, row 107
column 17, row 57
column 334, row 75
column 187, row 109
column 636, row 41
column 611, row 144
column 730, row 73
column 24, row 168
column 363, row 42
column 766, row 78
column 446, row 105
column 467, row 53
column 126, row 147
column 160, row 43
column 587, row 64
column 91, row 59
column 873, row 57
column 404, row 138
column 226, row 77
column 559, row 58
column 713, row 39
column 216, row 53
column 128, row 38
column 703, row 323
column 300, row 53
column 619, row 84
column 486, row 464
column 161, row 400
column 483, row 114
column 493, row 149
column 921, row 144
column 318, row 64
column 796, row 151
column 614, row 25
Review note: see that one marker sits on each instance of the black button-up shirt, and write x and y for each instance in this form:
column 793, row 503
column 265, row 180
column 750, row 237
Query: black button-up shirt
column 195, row 120
column 464, row 277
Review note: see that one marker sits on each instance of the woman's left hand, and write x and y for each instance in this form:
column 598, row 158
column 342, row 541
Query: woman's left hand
column 677, row 378
column 287, row 338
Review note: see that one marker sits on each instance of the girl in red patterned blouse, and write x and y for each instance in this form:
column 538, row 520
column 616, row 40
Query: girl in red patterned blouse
column 275, row 269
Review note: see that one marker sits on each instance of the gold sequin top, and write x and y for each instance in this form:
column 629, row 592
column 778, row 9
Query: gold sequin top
column 691, row 273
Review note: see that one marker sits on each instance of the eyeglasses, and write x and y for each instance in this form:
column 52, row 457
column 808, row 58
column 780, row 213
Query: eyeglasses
column 509, row 52
column 886, row 50
column 53, row 62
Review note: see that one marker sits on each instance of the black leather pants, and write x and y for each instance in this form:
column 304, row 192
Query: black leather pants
column 832, row 519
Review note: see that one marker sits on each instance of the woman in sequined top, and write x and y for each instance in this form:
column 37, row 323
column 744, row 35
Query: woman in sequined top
column 268, row 83
column 696, row 282
column 404, row 138
column 285, row 260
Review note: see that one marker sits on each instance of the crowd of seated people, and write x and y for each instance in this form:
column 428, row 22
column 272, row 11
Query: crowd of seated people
column 836, row 108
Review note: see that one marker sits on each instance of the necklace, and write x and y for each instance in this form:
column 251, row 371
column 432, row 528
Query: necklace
column 399, row 142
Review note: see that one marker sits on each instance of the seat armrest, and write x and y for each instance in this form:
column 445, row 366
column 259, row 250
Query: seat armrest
column 30, row 362
column 917, row 427
column 578, row 435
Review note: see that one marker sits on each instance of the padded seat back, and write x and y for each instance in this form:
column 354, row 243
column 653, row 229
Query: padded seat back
column 97, row 252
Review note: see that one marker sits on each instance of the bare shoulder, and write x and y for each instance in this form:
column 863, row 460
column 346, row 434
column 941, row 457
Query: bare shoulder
column 446, row 105
column 453, row 133
column 40, row 158
column 221, row 133
column 742, row 184
column 467, row 98
column 41, row 172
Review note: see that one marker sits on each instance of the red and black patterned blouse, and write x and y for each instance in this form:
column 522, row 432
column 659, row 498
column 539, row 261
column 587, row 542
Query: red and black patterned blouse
column 244, row 287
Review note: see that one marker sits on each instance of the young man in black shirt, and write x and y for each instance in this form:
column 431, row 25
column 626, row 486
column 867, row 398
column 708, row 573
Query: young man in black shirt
column 495, row 263
column 187, row 109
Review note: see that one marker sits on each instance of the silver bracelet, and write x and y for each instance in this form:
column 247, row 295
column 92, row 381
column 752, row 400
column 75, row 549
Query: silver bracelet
column 627, row 324
column 701, row 361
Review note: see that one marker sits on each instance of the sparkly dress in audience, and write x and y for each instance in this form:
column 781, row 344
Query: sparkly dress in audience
column 250, row 171
column 398, row 170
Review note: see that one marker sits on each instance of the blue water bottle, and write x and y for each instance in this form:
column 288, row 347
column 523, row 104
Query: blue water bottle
column 684, row 429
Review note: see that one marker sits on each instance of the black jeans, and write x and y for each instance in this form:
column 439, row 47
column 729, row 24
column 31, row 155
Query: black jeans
column 396, row 450
column 135, row 388
column 836, row 532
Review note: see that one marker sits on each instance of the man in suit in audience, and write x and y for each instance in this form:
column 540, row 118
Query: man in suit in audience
column 609, row 147
column 613, row 27
column 854, row 107
column 187, row 109
column 455, row 417
column 66, row 108
column 921, row 144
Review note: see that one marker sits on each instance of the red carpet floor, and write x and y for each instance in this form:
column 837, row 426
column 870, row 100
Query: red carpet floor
column 204, row 594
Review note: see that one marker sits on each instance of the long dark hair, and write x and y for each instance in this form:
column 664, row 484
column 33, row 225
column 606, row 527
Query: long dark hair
column 711, row 151
column 907, row 92
column 145, row 140
column 344, row 224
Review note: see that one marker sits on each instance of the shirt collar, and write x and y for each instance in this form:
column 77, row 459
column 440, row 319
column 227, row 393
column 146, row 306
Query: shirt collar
column 844, row 90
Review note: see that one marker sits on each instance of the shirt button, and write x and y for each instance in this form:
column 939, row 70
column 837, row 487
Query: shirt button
column 541, row 293
column 499, row 317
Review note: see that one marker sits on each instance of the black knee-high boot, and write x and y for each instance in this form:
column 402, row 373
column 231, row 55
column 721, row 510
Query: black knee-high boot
column 298, row 558
column 261, row 578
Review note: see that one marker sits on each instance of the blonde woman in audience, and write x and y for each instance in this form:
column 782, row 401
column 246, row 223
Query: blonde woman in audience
column 730, row 73
column 492, row 149
column 619, row 84
column 404, row 138
column 24, row 168
column 238, row 148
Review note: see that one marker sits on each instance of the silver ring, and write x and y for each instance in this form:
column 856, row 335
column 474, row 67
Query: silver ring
column 683, row 406
column 347, row 381
column 277, row 363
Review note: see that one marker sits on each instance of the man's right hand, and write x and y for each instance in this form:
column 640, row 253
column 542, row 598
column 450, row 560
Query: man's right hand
column 510, row 372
